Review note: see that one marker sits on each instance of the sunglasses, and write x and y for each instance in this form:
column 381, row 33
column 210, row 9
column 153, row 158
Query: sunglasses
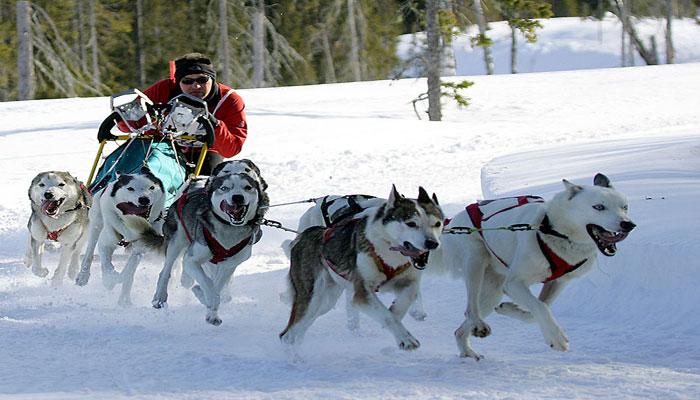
column 189, row 81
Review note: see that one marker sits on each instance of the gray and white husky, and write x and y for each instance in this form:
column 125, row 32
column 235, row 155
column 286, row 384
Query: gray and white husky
column 325, row 211
column 60, row 205
column 138, row 195
column 215, row 227
column 569, row 230
column 371, row 252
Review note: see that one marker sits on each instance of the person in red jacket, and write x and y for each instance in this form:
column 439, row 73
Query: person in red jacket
column 195, row 75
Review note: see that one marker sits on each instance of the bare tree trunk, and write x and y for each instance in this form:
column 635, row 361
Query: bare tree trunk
column 354, row 42
column 140, row 51
column 328, row 56
column 649, row 57
column 433, row 52
column 481, row 21
column 224, row 59
column 670, row 51
column 513, row 50
column 623, row 37
column 259, row 44
column 82, row 49
column 25, row 55
column 96, row 80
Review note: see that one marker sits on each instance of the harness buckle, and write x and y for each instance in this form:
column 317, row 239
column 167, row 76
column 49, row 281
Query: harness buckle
column 519, row 227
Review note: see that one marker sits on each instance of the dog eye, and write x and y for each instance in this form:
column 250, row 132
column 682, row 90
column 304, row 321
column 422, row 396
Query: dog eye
column 599, row 207
column 224, row 188
column 411, row 224
column 130, row 189
column 248, row 188
column 61, row 184
column 625, row 207
column 152, row 188
column 438, row 224
column 41, row 185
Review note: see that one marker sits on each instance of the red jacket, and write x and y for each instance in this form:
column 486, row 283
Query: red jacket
column 232, row 130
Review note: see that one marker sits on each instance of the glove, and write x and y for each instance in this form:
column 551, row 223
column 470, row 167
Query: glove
column 213, row 120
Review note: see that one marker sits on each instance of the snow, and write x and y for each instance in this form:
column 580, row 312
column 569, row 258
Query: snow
column 632, row 321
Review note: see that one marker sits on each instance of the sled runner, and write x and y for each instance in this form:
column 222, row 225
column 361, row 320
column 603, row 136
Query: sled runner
column 147, row 134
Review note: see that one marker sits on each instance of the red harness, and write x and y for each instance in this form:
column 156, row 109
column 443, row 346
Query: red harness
column 386, row 269
column 219, row 252
column 55, row 234
column 557, row 265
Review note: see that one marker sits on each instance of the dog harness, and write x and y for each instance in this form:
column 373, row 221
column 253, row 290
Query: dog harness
column 55, row 234
column 342, row 227
column 219, row 252
column 482, row 211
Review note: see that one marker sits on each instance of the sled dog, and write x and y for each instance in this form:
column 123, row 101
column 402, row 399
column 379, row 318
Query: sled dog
column 370, row 252
column 60, row 205
column 325, row 212
column 138, row 195
column 567, row 231
column 215, row 227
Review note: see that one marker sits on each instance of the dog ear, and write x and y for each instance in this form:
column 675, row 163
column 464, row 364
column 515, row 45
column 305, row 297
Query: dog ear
column 435, row 200
column 601, row 180
column 394, row 196
column 423, row 196
column 571, row 188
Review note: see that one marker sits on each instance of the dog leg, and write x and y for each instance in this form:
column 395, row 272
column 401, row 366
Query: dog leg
column 204, row 290
column 417, row 311
column 37, row 249
column 550, row 291
column 312, row 298
column 29, row 254
column 351, row 312
column 368, row 302
column 74, row 259
column 110, row 277
column 172, row 253
column 552, row 332
column 476, row 265
column 405, row 296
column 127, row 278
column 60, row 272
column 93, row 235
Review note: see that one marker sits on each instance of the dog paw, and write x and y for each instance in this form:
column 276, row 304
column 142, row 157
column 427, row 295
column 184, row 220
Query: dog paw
column 199, row 294
column 469, row 353
column 40, row 272
column 124, row 302
column 512, row 310
column 480, row 329
column 557, row 340
column 418, row 315
column 214, row 320
column 82, row 278
column 160, row 300
column 110, row 279
column 409, row 343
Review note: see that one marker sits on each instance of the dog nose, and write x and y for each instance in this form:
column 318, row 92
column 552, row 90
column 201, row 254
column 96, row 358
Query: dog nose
column 431, row 244
column 627, row 226
column 144, row 201
column 48, row 195
column 237, row 199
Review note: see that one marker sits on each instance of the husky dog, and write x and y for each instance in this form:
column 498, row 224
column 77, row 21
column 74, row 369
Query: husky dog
column 60, row 205
column 139, row 195
column 371, row 252
column 216, row 228
column 325, row 212
column 567, row 231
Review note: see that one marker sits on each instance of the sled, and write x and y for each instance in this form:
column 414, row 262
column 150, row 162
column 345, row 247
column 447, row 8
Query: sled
column 152, row 131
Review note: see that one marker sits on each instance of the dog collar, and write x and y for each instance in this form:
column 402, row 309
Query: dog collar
column 546, row 228
column 55, row 234
column 386, row 269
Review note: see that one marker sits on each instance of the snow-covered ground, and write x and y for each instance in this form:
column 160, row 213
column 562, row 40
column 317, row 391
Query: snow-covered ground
column 632, row 321
column 565, row 44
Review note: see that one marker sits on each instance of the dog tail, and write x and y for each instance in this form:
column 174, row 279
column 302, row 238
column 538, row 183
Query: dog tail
column 147, row 236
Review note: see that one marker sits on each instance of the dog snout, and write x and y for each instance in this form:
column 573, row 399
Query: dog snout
column 144, row 201
column 237, row 199
column 48, row 195
column 431, row 244
column 627, row 226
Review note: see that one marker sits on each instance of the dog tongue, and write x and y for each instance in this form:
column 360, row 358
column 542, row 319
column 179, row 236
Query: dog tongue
column 130, row 208
column 49, row 206
column 233, row 210
column 407, row 252
column 612, row 238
